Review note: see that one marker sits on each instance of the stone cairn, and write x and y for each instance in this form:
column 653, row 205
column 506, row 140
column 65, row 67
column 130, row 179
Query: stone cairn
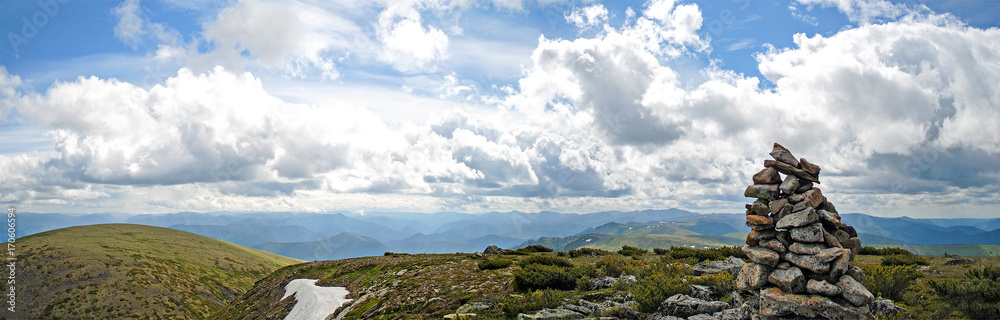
column 800, row 249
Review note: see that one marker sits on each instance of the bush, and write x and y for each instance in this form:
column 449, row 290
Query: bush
column 539, row 276
column 588, row 252
column 616, row 266
column 493, row 264
column 887, row 251
column 903, row 260
column 546, row 261
column 512, row 305
column 535, row 248
column 700, row 255
column 665, row 280
column 889, row 281
column 661, row 251
column 976, row 295
column 630, row 251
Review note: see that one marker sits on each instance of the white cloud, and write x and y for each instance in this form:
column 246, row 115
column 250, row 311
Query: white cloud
column 408, row 45
column 587, row 17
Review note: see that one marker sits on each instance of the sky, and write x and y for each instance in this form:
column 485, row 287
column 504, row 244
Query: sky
column 158, row 106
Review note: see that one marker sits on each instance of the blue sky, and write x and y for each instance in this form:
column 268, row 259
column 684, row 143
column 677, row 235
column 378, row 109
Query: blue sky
column 473, row 106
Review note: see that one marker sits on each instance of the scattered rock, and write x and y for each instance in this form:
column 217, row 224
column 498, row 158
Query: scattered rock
column 959, row 261
column 602, row 283
column 706, row 293
column 884, row 307
column 776, row 303
column 551, row 314
column 493, row 249
column 684, row 306
column 731, row 265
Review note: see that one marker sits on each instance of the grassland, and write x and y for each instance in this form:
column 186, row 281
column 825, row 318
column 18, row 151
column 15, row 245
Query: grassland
column 982, row 250
column 116, row 271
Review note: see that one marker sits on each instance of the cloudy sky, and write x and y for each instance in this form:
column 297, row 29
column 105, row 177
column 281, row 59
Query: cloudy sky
column 473, row 106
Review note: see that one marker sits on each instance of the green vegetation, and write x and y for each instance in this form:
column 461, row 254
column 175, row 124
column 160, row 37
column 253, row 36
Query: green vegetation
column 906, row 259
column 494, row 263
column 588, row 252
column 976, row 295
column 513, row 305
column 533, row 249
column 115, row 271
column 633, row 252
column 719, row 253
column 887, row 251
column 546, row 261
column 889, row 281
column 539, row 276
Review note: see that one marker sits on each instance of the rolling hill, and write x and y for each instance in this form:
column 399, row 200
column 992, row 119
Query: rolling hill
column 343, row 245
column 116, row 271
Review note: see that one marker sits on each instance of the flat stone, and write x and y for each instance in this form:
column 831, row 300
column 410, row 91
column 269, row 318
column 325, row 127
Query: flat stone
column 781, row 213
column 822, row 287
column 790, row 184
column 730, row 264
column 809, row 167
column 776, row 205
column 854, row 291
column 784, row 238
column 552, row 314
column 806, row 247
column 841, row 235
column 762, row 191
column 752, row 276
column 760, row 220
column 831, row 218
column 782, row 154
column 774, row 245
column 783, row 265
column 755, row 236
column 814, row 197
column 810, row 233
column 830, row 240
column 856, row 273
column 684, row 306
column 829, row 254
column 702, row 292
column 776, row 303
column 760, row 207
column 790, row 170
column 801, row 205
column 767, row 176
column 850, row 230
column 828, row 206
column 798, row 219
column 761, row 255
column 808, row 262
column 841, row 264
column 804, row 186
column 790, row 280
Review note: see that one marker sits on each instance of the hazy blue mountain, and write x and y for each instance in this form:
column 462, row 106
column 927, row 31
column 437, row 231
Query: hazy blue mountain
column 29, row 223
column 252, row 232
column 341, row 246
column 185, row 218
column 919, row 231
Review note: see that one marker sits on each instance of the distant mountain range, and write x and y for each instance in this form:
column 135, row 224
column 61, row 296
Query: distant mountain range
column 325, row 236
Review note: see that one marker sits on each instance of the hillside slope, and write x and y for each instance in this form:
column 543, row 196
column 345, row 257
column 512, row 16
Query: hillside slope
column 115, row 271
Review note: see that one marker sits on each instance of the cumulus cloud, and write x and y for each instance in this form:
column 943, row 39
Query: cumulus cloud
column 589, row 16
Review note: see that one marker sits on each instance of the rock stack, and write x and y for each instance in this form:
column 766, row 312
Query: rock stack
column 800, row 249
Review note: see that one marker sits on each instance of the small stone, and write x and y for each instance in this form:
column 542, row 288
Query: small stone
column 755, row 236
column 804, row 186
column 854, row 291
column 884, row 307
column 784, row 265
column 680, row 305
column 810, row 233
column 856, row 273
column 790, row 184
column 781, row 213
column 814, row 196
column 841, row 235
column 830, row 240
column 831, row 218
column 760, row 207
column 798, row 219
column 767, row 176
column 782, row 154
column 841, row 264
column 752, row 276
column 801, row 205
column 809, row 168
column 761, row 255
column 854, row 244
column 806, row 248
column 760, row 220
column 776, row 205
column 791, row 280
column 784, row 238
column 808, row 262
column 828, row 206
column 822, row 287
column 774, row 245
column 790, row 170
column 850, row 230
column 762, row 191
column 829, row 254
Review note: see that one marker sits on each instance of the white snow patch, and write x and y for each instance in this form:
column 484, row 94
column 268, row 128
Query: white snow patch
column 313, row 302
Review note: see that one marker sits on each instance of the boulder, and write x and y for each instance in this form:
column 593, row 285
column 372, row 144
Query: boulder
column 884, row 307
column 854, row 291
column 752, row 276
column 809, row 168
column 774, row 245
column 762, row 191
column 730, row 264
column 790, row 184
column 808, row 262
column 706, row 293
column 789, row 169
column 806, row 247
column 760, row 221
column 776, row 303
column 798, row 219
column 809, row 233
column 767, row 176
column 782, row 154
column 959, row 261
column 493, row 249
column 602, row 283
column 791, row 280
column 761, row 255
column 822, row 287
column 684, row 306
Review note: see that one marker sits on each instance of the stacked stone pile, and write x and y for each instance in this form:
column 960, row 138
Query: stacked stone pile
column 800, row 249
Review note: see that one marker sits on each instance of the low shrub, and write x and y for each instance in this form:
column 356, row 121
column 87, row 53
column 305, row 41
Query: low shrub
column 546, row 261
column 616, row 266
column 536, row 248
column 976, row 295
column 630, row 251
column 539, row 276
column 512, row 305
column 887, row 251
column 666, row 280
column 904, row 260
column 493, row 264
column 661, row 251
column 588, row 252
column 889, row 281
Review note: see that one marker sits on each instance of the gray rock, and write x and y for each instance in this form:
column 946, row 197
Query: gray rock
column 760, row 208
column 706, row 293
column 755, row 236
column 804, row 186
column 784, row 265
column 809, row 168
column 776, row 303
column 829, row 254
column 551, row 314
column 774, row 245
column 853, row 243
column 959, row 261
column 767, row 176
column 578, row 309
column 809, row 262
column 752, row 276
column 762, row 191
column 784, row 238
column 801, row 205
column 493, row 249
column 850, row 231
column 461, row 316
column 761, row 255
column 684, row 306
column 791, row 280
column 775, row 205
column 856, row 273
column 814, row 197
column 841, row 264
column 602, row 283
column 798, row 219
column 790, row 184
column 472, row 307
column 627, row 279
column 884, row 307
column 806, row 247
column 782, row 213
column 822, row 287
column 841, row 235
column 809, row 233
column 829, row 218
column 854, row 291
column 828, row 206
column 830, row 240
column 782, row 154
column 789, row 169
column 730, row 264
column 478, row 254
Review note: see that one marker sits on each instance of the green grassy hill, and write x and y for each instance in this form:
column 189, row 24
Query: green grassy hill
column 116, row 271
